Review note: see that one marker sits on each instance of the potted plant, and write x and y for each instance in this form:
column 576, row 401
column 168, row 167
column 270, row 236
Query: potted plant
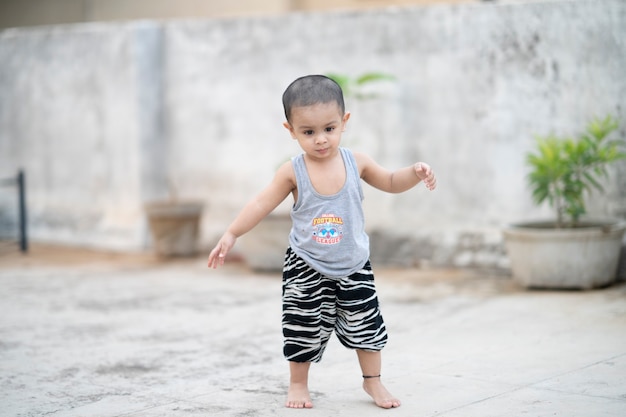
column 570, row 251
column 174, row 225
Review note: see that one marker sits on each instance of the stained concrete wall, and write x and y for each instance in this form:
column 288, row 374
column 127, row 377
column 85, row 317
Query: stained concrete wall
column 18, row 13
column 104, row 117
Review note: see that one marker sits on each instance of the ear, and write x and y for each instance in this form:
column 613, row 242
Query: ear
column 290, row 129
column 344, row 120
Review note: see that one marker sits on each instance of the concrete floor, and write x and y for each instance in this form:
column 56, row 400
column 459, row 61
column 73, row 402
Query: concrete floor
column 90, row 334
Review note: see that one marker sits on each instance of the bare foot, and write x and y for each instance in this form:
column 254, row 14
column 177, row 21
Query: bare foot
column 298, row 396
column 379, row 393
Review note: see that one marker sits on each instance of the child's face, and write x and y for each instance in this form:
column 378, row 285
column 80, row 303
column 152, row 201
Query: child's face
column 318, row 128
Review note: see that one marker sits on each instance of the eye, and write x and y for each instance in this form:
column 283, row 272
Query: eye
column 330, row 128
column 308, row 132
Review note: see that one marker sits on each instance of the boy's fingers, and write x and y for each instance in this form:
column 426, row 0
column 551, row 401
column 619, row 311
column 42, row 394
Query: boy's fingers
column 423, row 170
column 215, row 258
column 221, row 255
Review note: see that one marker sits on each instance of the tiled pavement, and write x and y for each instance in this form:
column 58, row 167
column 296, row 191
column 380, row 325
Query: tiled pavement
column 96, row 335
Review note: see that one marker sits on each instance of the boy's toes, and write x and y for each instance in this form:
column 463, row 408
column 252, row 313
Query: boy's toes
column 389, row 403
column 298, row 397
column 382, row 398
column 299, row 404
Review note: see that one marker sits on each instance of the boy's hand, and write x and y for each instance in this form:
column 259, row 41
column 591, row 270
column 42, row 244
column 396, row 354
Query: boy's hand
column 219, row 252
column 425, row 173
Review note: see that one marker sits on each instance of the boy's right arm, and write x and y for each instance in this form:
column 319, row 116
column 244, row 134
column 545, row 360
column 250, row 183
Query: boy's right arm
column 253, row 212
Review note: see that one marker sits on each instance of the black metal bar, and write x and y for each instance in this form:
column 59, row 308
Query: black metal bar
column 21, row 185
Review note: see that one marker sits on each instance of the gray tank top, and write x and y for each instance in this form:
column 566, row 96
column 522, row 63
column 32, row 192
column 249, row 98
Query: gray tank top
column 328, row 231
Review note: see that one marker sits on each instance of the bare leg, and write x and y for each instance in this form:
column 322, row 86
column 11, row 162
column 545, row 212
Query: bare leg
column 370, row 366
column 298, row 395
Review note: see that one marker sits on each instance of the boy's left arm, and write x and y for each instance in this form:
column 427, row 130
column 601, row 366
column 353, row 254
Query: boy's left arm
column 395, row 181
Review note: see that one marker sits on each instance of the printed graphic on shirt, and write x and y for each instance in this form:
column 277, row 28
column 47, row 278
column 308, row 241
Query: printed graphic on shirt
column 327, row 229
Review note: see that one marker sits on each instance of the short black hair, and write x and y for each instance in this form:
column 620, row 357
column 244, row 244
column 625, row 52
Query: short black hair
column 312, row 89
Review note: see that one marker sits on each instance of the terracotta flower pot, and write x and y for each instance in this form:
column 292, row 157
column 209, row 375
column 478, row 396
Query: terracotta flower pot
column 569, row 258
column 175, row 226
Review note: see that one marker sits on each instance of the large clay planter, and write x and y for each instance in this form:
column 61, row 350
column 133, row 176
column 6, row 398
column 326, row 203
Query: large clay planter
column 175, row 226
column 542, row 256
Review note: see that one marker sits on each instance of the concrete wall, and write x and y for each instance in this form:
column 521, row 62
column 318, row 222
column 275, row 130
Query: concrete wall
column 16, row 13
column 104, row 117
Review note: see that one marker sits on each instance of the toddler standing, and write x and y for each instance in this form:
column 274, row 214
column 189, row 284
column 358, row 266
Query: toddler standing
column 328, row 283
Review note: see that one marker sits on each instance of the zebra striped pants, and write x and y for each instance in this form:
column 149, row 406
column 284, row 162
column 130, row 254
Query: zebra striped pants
column 314, row 305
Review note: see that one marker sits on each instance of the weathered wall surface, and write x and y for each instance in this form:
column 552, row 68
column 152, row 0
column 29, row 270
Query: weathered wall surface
column 104, row 117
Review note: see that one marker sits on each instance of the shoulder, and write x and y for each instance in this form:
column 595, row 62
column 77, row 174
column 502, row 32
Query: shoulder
column 286, row 173
column 363, row 161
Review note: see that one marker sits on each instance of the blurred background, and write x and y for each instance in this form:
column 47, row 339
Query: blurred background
column 53, row 12
column 107, row 106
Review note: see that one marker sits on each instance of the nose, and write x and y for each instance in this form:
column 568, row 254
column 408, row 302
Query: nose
column 321, row 138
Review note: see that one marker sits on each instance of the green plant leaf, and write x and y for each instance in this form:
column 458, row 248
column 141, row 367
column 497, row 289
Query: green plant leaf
column 374, row 76
column 563, row 170
column 593, row 182
column 351, row 85
column 343, row 81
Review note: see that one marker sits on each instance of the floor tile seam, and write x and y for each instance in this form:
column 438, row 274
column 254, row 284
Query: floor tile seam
column 525, row 386
column 516, row 388
column 530, row 384
column 482, row 400
column 519, row 388
column 535, row 384
column 582, row 394
column 471, row 378
column 579, row 368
